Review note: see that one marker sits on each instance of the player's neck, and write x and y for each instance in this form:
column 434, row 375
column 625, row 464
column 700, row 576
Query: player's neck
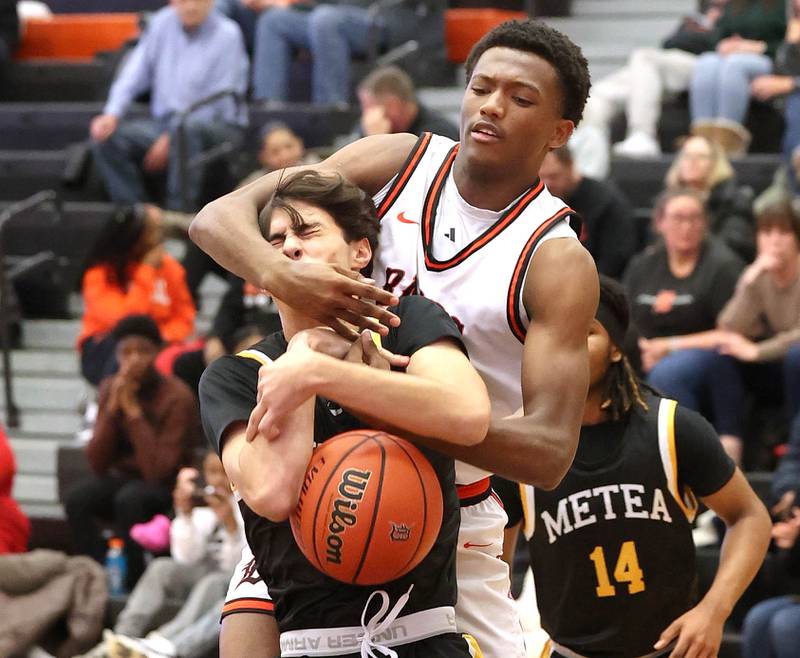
column 294, row 322
column 487, row 188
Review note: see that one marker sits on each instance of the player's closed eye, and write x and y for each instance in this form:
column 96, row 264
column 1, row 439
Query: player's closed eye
column 522, row 102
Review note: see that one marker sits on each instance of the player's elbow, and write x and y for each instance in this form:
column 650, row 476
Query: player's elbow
column 201, row 228
column 474, row 425
column 271, row 501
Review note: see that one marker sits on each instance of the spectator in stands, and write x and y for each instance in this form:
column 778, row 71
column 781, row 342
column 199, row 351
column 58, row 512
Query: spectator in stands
column 761, row 322
column 677, row 289
column 638, row 89
column 9, row 33
column 244, row 314
column 131, row 273
column 146, row 427
column 785, row 80
column 206, row 541
column 609, row 231
column 334, row 33
column 702, row 165
column 749, row 33
column 772, row 627
column 281, row 147
column 389, row 104
column 187, row 54
column 15, row 529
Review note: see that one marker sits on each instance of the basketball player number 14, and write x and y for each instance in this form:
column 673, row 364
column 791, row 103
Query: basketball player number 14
column 626, row 571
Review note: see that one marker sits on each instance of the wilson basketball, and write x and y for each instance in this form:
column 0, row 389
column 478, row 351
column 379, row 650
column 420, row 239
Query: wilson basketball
column 370, row 508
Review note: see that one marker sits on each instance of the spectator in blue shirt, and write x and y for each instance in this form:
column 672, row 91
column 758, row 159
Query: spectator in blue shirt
column 186, row 54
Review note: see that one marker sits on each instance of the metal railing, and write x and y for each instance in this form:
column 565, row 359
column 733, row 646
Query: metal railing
column 187, row 167
column 20, row 267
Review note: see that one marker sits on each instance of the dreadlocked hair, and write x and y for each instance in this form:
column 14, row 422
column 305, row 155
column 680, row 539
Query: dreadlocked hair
column 623, row 390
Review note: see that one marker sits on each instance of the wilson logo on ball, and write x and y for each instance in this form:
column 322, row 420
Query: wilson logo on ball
column 351, row 491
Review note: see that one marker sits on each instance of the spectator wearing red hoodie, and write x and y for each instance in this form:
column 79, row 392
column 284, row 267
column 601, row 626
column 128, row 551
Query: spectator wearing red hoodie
column 15, row 529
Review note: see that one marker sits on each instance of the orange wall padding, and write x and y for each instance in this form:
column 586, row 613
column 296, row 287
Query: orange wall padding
column 76, row 36
column 463, row 28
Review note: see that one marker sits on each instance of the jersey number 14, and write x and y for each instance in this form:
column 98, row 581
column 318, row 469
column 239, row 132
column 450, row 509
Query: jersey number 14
column 627, row 570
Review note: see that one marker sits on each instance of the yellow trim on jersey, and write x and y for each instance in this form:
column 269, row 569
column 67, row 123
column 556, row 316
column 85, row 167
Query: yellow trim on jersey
column 376, row 338
column 547, row 649
column 666, row 435
column 255, row 355
column 526, row 495
column 472, row 644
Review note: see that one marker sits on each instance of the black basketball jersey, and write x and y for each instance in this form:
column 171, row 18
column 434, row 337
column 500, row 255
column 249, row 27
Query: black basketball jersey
column 304, row 597
column 612, row 551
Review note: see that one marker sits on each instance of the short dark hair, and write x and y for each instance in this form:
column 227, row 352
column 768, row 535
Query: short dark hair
column 559, row 50
column 351, row 208
column 780, row 214
column 138, row 325
column 663, row 199
column 392, row 81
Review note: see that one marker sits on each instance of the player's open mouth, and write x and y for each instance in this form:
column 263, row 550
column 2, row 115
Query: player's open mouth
column 485, row 133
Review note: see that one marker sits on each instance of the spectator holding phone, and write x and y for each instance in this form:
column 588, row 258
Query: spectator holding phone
column 206, row 541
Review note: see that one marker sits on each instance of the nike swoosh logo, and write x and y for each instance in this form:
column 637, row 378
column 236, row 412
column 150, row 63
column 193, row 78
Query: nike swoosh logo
column 469, row 544
column 401, row 217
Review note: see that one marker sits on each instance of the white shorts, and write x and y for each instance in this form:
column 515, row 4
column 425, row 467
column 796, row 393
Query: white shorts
column 484, row 608
column 247, row 592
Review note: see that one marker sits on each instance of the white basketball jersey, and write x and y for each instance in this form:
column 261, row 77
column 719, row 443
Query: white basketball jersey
column 471, row 261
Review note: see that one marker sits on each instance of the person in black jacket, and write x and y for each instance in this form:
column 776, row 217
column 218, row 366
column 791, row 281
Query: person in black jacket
column 608, row 231
column 703, row 166
column 785, row 81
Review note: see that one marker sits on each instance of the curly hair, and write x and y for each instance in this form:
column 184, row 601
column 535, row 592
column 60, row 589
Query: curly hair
column 351, row 208
column 536, row 37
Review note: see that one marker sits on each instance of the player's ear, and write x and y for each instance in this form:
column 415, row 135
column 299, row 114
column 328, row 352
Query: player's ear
column 561, row 133
column 360, row 254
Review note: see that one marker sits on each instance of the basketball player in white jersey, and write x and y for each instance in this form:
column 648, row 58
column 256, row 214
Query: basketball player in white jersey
column 470, row 226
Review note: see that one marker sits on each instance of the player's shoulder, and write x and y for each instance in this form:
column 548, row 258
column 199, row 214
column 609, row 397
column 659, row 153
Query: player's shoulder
column 266, row 350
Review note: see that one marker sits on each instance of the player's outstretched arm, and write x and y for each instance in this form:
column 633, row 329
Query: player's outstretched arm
column 227, row 230
column 537, row 446
column 699, row 631
column 440, row 394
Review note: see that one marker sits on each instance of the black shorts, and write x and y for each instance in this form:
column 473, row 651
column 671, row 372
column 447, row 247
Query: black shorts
column 449, row 645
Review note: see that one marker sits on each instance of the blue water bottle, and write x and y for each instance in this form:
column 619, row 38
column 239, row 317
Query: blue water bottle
column 116, row 567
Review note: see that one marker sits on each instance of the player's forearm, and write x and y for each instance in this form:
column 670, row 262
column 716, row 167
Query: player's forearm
column 271, row 472
column 411, row 403
column 746, row 542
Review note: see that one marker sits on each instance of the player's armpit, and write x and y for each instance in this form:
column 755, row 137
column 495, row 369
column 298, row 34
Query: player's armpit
column 537, row 448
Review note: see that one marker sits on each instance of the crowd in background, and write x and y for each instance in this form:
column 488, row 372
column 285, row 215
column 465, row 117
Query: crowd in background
column 713, row 277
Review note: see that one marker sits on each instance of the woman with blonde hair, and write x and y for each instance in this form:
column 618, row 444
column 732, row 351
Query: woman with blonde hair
column 701, row 165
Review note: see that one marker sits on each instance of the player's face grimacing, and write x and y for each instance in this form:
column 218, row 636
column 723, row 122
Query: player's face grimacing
column 511, row 113
column 317, row 239
column 602, row 353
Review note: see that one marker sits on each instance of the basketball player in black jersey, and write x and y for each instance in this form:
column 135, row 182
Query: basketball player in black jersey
column 323, row 219
column 612, row 552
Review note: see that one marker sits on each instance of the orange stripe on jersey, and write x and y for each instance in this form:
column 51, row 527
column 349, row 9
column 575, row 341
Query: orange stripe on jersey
column 248, row 605
column 429, row 218
column 515, row 287
column 405, row 173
